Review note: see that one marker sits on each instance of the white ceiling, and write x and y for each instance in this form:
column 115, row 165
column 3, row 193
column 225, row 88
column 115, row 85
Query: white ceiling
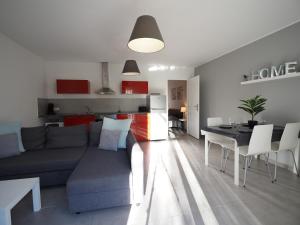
column 195, row 31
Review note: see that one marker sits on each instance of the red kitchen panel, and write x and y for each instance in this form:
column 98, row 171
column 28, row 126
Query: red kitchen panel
column 123, row 116
column 72, row 86
column 78, row 120
column 139, row 126
column 134, row 87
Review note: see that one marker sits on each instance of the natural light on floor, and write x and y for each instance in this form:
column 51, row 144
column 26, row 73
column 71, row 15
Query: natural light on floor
column 205, row 210
column 203, row 205
column 156, row 199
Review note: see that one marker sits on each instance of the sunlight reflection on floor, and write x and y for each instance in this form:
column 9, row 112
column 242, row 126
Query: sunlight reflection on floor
column 160, row 206
column 205, row 210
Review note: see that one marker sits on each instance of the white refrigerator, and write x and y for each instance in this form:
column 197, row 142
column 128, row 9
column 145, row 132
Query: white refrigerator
column 158, row 124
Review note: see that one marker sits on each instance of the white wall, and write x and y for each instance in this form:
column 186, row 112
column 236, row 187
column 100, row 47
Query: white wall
column 91, row 71
column 21, row 83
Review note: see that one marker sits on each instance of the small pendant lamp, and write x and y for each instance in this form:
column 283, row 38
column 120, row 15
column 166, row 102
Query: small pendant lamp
column 146, row 37
column 131, row 68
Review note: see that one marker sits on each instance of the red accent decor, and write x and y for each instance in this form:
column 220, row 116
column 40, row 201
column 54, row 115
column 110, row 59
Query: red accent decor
column 134, row 87
column 72, row 86
column 78, row 120
column 139, row 126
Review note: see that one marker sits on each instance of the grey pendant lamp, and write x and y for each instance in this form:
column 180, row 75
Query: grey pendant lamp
column 146, row 37
column 131, row 68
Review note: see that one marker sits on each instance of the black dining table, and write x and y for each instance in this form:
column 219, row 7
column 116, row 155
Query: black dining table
column 242, row 133
column 239, row 134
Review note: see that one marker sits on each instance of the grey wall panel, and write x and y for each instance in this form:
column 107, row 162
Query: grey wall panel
column 220, row 80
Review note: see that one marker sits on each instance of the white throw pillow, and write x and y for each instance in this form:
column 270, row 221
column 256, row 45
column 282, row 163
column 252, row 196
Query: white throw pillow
column 121, row 125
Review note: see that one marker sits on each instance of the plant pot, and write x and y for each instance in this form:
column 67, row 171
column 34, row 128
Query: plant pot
column 252, row 123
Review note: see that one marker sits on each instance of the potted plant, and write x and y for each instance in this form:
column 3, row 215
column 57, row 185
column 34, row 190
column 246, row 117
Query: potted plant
column 253, row 106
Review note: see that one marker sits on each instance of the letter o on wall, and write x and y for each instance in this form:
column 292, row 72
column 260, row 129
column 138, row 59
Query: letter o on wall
column 263, row 73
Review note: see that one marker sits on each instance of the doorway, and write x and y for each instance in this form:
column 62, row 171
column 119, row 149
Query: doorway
column 177, row 106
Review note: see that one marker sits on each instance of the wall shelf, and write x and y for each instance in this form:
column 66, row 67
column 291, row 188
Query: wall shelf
column 271, row 79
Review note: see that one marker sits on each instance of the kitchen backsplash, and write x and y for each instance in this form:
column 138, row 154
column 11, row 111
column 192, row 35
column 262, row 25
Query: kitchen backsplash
column 99, row 105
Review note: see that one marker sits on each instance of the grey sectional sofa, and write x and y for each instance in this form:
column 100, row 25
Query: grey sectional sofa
column 94, row 178
column 51, row 154
column 115, row 178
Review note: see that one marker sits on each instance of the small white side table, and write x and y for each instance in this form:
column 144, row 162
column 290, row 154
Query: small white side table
column 12, row 191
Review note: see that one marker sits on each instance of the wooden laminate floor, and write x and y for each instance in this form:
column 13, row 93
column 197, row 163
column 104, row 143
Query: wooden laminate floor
column 261, row 202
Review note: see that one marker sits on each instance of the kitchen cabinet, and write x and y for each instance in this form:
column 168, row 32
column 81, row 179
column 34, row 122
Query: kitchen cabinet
column 139, row 126
column 78, row 120
column 134, row 87
column 72, row 86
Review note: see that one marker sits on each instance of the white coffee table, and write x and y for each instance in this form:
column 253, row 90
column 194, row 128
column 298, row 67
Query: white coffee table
column 12, row 191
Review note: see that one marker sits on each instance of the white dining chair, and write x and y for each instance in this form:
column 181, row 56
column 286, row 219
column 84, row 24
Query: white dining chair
column 260, row 143
column 219, row 140
column 288, row 142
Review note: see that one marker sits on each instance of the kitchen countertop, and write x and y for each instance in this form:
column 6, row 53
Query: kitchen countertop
column 99, row 115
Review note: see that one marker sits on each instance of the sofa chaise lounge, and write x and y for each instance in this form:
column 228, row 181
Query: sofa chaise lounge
column 95, row 178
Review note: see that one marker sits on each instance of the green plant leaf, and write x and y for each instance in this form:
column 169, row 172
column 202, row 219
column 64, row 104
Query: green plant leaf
column 253, row 105
column 246, row 109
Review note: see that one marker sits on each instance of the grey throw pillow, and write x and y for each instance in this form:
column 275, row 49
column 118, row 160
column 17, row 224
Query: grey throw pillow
column 33, row 138
column 109, row 139
column 67, row 137
column 94, row 133
column 9, row 145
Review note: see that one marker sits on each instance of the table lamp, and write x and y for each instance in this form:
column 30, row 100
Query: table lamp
column 183, row 110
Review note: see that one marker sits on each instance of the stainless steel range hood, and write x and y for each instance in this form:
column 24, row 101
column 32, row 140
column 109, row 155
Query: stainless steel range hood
column 105, row 90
